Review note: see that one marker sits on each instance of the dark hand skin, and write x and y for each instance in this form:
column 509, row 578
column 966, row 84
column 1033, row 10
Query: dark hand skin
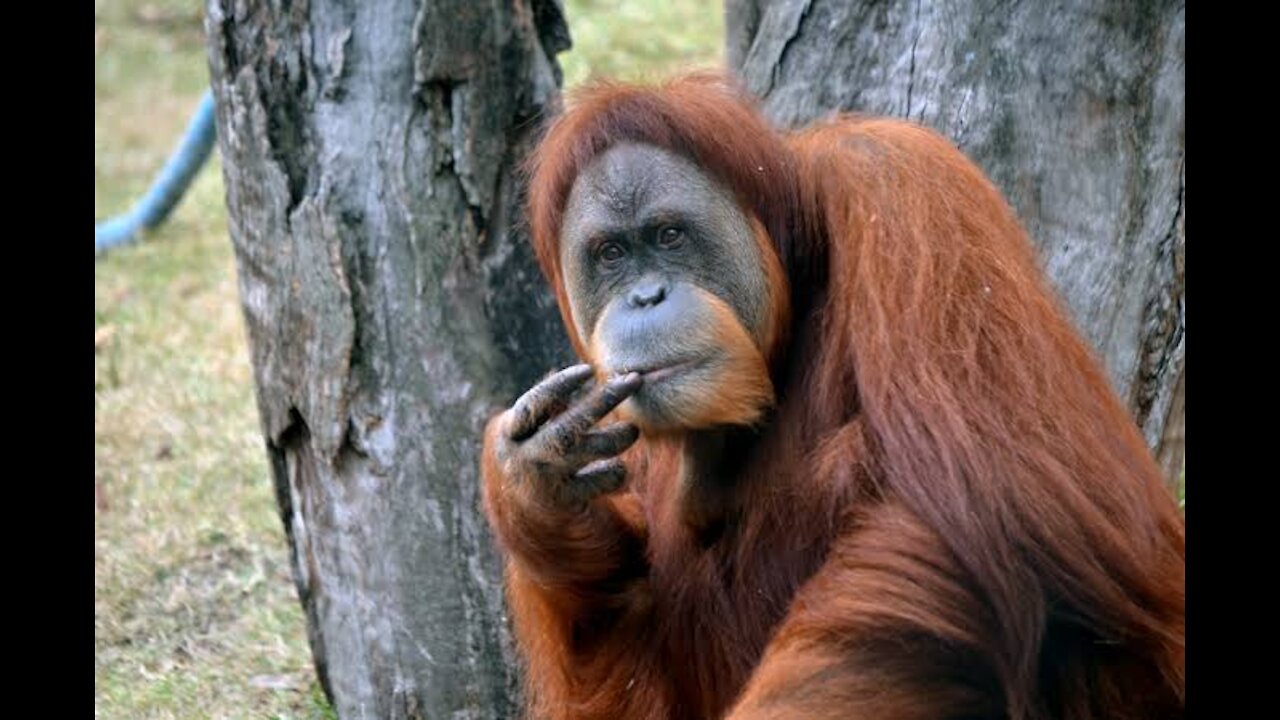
column 545, row 461
column 547, row 444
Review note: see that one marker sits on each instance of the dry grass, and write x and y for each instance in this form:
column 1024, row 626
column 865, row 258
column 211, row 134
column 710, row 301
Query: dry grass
column 195, row 614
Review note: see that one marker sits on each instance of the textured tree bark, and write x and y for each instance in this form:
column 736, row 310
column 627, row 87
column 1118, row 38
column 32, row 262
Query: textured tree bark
column 392, row 303
column 1075, row 109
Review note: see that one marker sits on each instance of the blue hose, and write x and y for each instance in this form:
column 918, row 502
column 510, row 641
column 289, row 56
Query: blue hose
column 169, row 186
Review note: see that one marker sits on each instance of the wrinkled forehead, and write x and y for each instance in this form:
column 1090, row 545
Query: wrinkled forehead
column 631, row 183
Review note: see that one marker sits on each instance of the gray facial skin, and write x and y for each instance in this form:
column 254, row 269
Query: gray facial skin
column 646, row 236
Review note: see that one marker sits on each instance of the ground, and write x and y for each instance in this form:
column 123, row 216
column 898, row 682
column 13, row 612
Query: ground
column 195, row 615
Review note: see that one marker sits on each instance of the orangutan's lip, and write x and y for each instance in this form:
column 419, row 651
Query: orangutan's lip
column 661, row 372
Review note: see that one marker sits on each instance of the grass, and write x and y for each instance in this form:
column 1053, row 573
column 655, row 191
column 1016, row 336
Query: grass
column 195, row 614
column 641, row 40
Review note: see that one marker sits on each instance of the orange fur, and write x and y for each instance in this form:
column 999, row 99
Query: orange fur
column 949, row 512
column 778, row 327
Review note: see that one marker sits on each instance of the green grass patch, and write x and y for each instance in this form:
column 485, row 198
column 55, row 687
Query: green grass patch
column 641, row 40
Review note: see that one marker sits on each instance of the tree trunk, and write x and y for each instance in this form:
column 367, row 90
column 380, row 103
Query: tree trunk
column 392, row 303
column 1076, row 111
